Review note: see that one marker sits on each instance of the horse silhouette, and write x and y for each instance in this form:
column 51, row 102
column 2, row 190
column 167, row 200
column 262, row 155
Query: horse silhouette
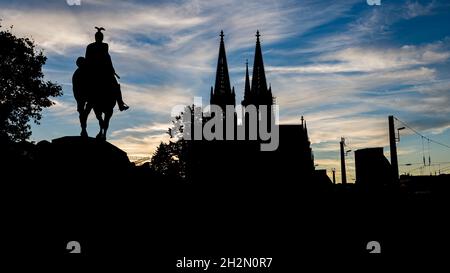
column 95, row 86
column 103, row 103
column 100, row 96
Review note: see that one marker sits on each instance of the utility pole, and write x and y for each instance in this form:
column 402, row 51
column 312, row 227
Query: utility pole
column 343, row 172
column 393, row 148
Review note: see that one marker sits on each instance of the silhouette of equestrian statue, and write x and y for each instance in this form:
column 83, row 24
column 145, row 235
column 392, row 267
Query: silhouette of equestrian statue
column 95, row 85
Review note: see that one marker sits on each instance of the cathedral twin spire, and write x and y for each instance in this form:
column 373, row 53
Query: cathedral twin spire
column 222, row 94
column 259, row 83
column 256, row 94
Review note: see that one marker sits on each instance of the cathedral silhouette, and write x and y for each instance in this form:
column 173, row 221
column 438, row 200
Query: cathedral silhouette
column 233, row 161
column 257, row 94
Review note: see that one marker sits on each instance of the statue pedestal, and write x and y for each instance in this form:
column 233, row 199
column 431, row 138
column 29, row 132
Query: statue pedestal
column 72, row 156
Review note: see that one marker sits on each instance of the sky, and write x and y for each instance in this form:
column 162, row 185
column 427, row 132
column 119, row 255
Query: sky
column 344, row 65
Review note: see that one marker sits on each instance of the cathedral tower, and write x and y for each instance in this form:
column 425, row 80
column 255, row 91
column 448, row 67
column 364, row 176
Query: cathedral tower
column 258, row 94
column 222, row 94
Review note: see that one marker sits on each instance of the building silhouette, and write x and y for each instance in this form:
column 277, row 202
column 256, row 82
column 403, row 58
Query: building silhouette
column 373, row 170
column 242, row 161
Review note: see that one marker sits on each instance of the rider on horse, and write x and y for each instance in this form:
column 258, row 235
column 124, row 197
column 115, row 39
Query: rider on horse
column 101, row 68
column 95, row 85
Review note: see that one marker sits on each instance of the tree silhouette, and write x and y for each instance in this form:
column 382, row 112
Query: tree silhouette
column 170, row 159
column 23, row 91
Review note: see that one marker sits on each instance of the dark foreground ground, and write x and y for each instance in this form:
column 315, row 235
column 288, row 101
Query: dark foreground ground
column 127, row 216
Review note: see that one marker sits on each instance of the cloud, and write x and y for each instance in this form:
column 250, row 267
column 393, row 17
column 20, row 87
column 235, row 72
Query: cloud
column 73, row 2
column 415, row 9
column 369, row 59
column 61, row 108
column 156, row 99
column 152, row 128
column 365, row 79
